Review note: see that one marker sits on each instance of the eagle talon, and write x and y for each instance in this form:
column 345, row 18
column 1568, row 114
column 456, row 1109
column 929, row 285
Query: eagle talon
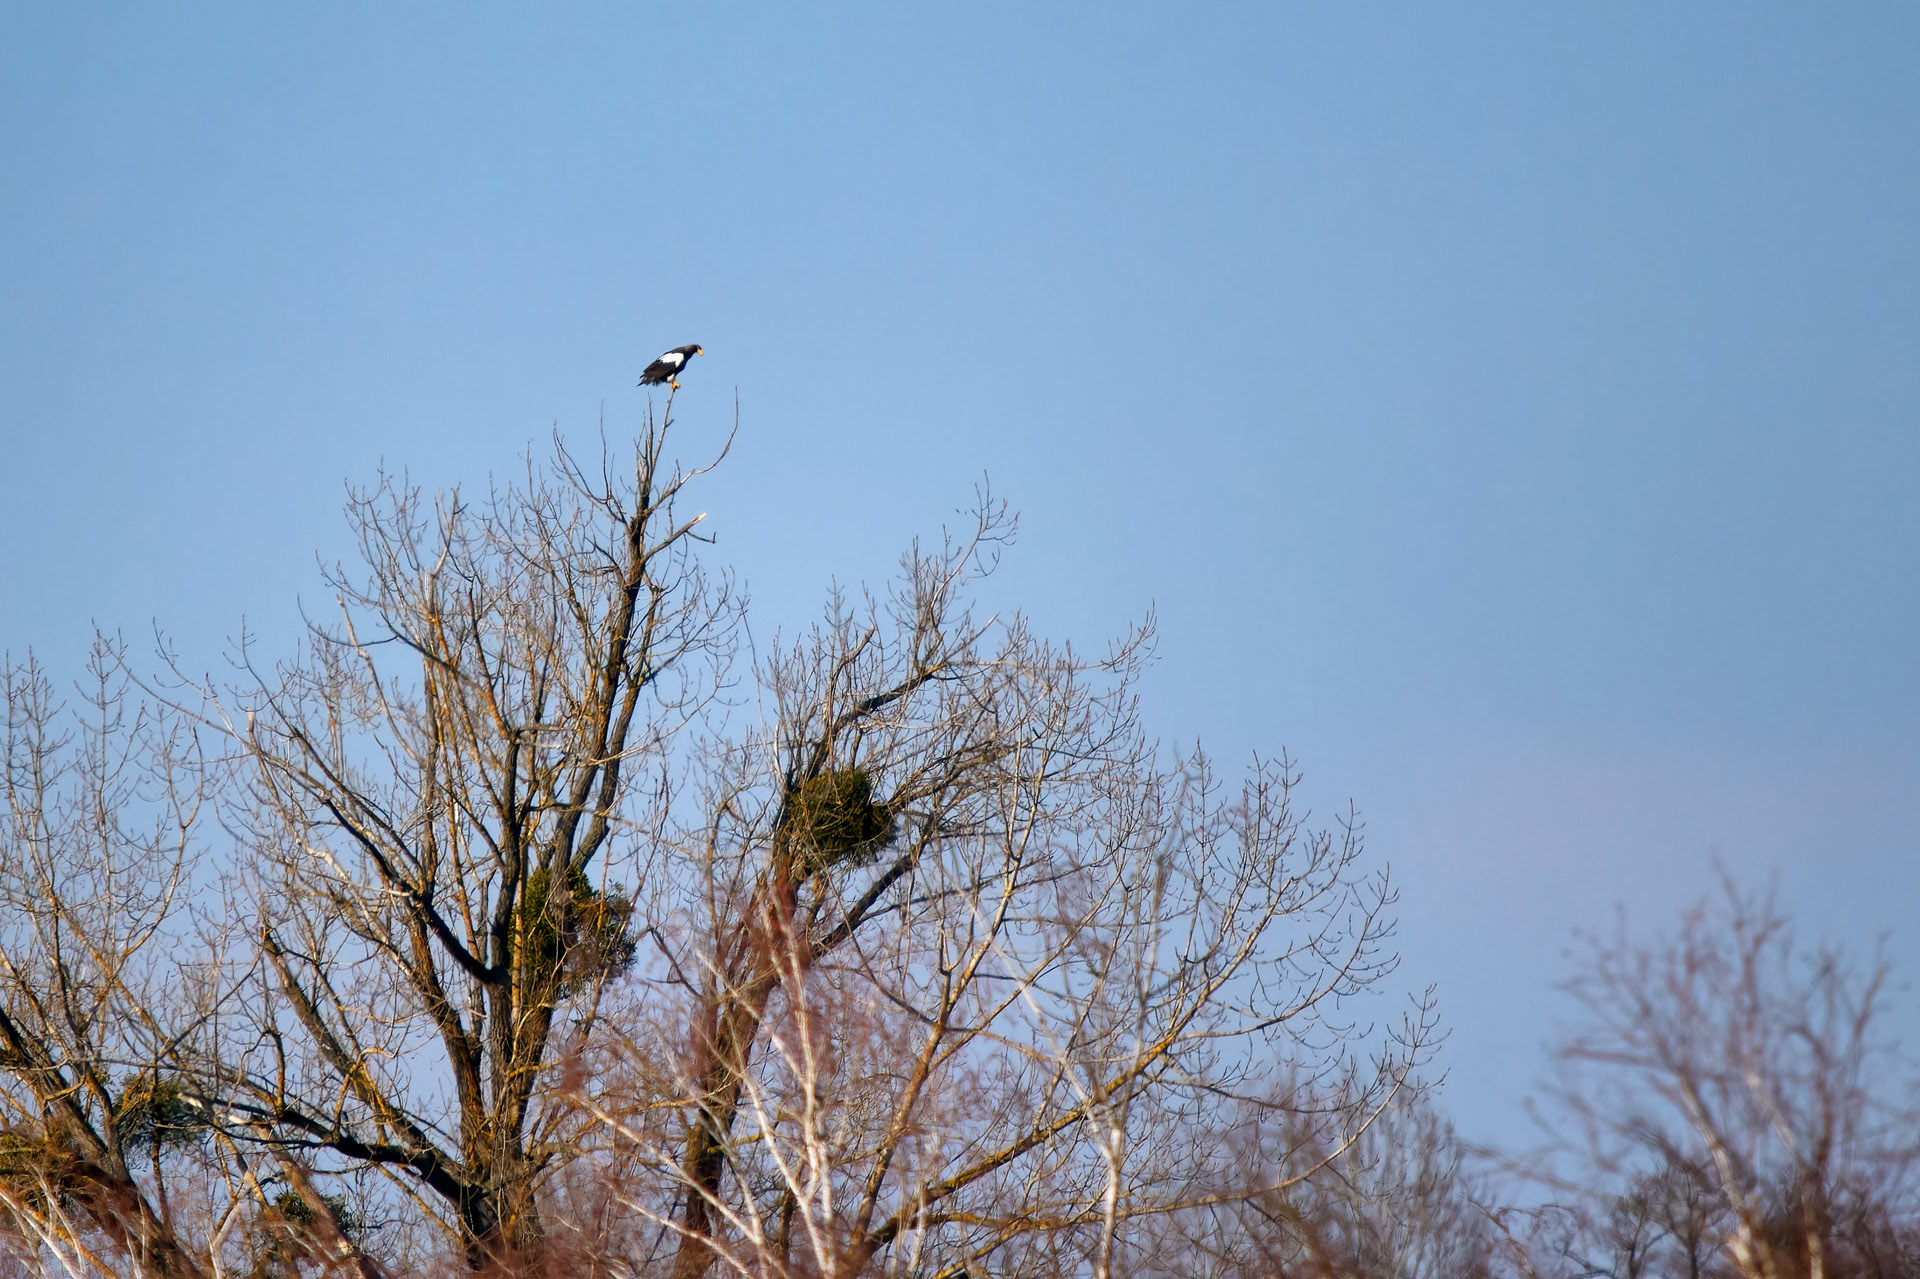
column 669, row 366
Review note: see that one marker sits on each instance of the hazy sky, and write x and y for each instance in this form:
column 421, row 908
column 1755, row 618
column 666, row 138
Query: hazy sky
column 1510, row 410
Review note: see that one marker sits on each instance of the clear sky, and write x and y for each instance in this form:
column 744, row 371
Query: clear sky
column 1510, row 409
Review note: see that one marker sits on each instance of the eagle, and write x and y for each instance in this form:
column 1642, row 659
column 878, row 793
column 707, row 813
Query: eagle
column 669, row 366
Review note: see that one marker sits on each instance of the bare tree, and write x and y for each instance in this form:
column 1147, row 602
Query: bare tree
column 434, row 796
column 103, row 803
column 112, row 1161
column 964, row 974
column 1738, row 1105
column 901, row 951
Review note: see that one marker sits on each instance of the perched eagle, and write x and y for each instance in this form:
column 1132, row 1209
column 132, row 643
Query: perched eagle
column 669, row 366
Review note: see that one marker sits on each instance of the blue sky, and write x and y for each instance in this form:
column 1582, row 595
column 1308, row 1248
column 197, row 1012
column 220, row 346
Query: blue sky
column 1511, row 410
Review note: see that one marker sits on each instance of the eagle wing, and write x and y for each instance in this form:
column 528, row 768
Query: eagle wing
column 663, row 368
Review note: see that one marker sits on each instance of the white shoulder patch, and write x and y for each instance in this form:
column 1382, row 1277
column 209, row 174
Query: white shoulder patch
column 673, row 358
